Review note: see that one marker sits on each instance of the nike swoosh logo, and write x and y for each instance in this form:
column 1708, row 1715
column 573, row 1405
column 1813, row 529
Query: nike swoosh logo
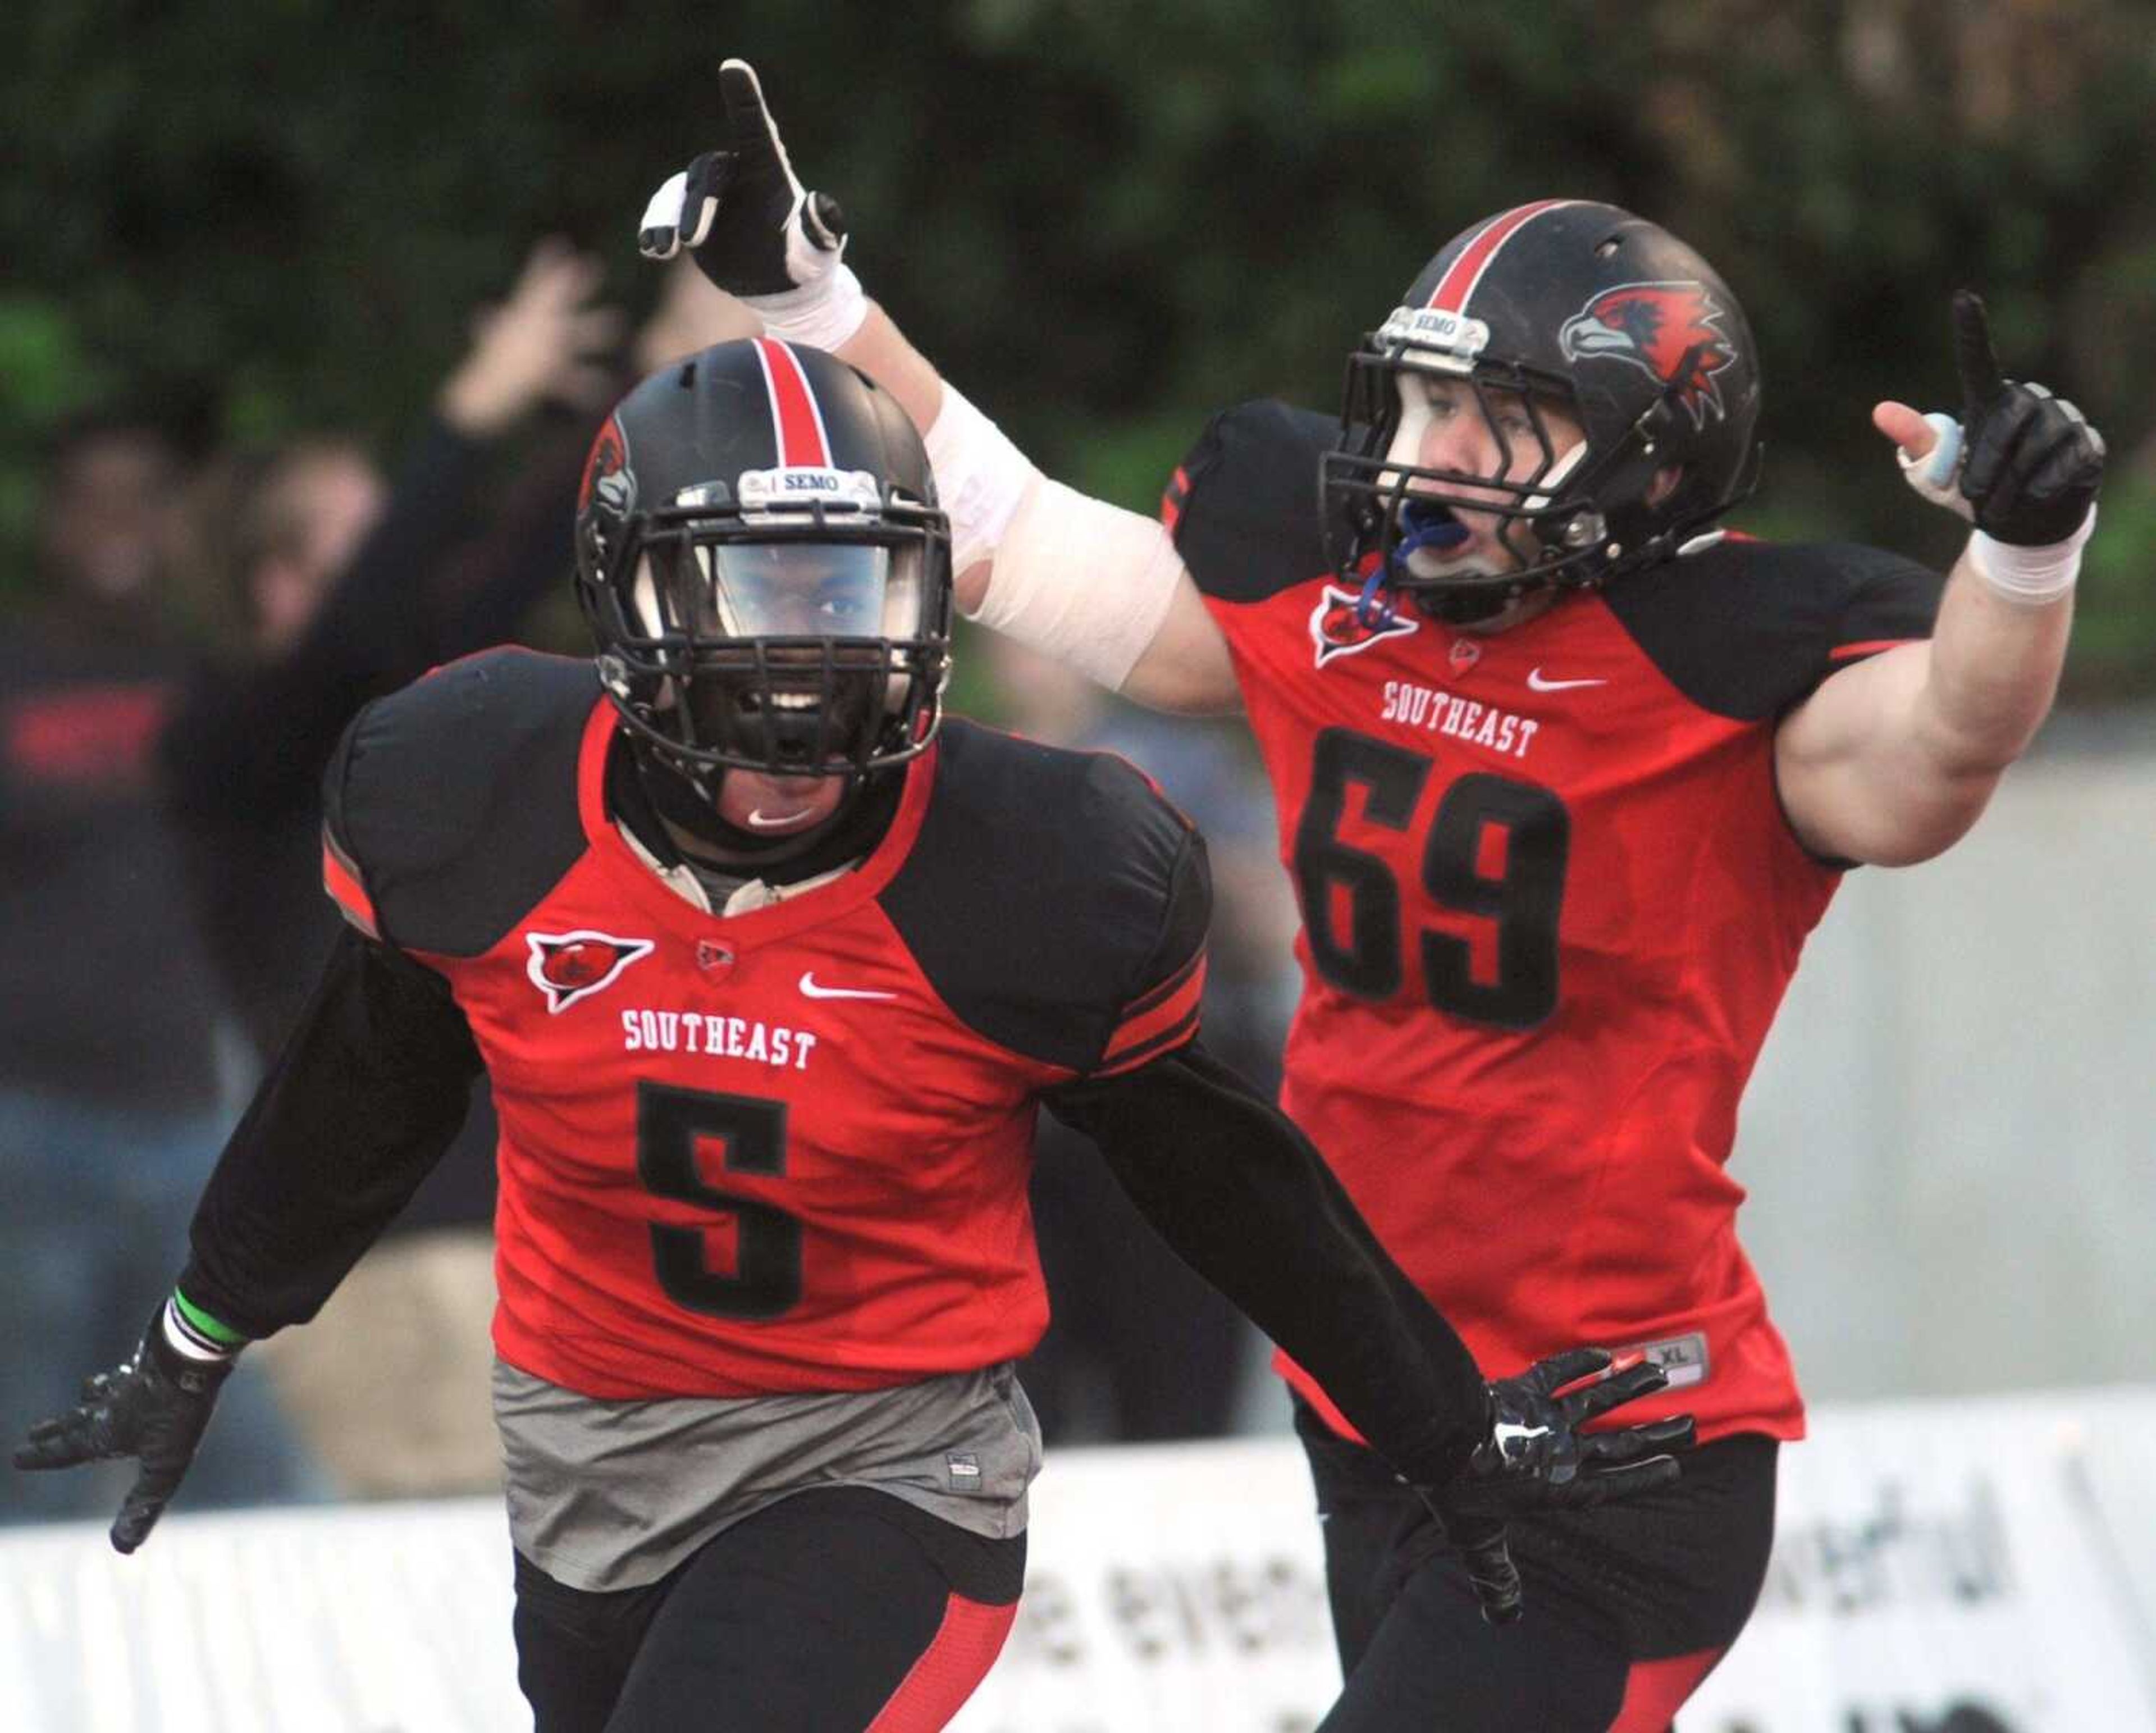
column 810, row 989
column 1536, row 683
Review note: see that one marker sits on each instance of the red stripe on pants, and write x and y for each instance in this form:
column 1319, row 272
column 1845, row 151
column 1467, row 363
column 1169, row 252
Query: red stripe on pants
column 1654, row 1690
column 966, row 1646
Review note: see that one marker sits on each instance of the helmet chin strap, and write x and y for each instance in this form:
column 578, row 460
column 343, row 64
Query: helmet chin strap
column 689, row 804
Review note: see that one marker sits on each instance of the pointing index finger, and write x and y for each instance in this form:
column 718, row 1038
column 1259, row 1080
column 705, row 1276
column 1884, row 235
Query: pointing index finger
column 748, row 122
column 1974, row 359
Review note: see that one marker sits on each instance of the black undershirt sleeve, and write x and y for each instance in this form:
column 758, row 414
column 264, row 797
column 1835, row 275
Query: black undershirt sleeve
column 1245, row 1198
column 255, row 738
column 527, row 554
column 367, row 1094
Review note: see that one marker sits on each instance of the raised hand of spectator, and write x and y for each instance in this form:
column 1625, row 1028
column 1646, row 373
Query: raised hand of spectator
column 547, row 341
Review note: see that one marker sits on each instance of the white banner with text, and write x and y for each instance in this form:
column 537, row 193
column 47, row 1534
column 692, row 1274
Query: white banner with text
column 1985, row 1566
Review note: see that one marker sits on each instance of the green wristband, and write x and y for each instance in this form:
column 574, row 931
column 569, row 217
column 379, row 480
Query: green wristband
column 221, row 1335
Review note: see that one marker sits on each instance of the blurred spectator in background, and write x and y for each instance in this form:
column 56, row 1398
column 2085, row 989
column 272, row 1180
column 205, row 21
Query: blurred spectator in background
column 1138, row 1349
column 110, row 1094
column 322, row 588
column 332, row 590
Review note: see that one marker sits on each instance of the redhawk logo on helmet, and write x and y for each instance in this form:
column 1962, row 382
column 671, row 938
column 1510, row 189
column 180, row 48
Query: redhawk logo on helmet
column 1670, row 330
column 607, row 475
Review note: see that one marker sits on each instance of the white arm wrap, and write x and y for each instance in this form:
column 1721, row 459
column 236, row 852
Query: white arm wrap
column 980, row 478
column 1085, row 583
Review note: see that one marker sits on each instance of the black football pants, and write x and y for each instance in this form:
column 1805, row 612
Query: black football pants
column 1629, row 1606
column 834, row 1611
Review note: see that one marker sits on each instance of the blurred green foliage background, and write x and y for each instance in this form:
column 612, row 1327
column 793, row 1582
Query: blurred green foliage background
column 1104, row 219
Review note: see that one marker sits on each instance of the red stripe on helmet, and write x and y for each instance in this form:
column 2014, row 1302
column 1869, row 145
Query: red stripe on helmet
column 1465, row 272
column 797, row 422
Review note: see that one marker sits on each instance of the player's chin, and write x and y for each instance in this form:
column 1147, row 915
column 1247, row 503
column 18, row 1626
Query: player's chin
column 1516, row 612
column 779, row 805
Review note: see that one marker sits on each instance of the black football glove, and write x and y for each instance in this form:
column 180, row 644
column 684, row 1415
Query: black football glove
column 2032, row 466
column 741, row 210
column 1536, row 1458
column 153, row 1407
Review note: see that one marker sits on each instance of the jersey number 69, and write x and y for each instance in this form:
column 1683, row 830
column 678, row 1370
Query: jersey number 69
column 1520, row 898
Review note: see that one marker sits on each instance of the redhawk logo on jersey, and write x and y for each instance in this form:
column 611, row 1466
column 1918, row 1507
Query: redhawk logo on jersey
column 569, row 966
column 607, row 473
column 1670, row 330
column 1340, row 626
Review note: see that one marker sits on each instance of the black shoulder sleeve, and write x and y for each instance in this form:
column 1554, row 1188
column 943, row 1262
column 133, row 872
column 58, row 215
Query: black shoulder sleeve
column 449, row 807
column 358, row 1109
column 1244, row 1199
column 1747, row 629
column 1245, row 507
column 1056, row 900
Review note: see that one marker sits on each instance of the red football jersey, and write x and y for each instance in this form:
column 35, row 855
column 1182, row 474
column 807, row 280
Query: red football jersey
column 1550, row 903
column 786, row 1150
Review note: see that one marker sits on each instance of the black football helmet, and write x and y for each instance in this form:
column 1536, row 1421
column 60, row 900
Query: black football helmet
column 765, row 571
column 1565, row 306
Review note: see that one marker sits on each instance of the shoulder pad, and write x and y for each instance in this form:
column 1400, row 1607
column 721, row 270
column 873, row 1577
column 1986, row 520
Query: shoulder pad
column 1056, row 900
column 1245, row 506
column 1747, row 629
column 450, row 806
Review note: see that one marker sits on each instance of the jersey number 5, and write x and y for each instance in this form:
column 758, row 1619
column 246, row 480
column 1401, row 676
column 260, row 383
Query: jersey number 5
column 670, row 1124
column 1513, row 880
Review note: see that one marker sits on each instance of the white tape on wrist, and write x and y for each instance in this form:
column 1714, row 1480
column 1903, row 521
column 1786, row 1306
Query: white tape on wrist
column 2031, row 576
column 980, row 478
column 1086, row 583
column 822, row 314
column 181, row 1336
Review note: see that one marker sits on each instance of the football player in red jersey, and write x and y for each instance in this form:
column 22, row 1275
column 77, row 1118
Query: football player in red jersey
column 1564, row 775
column 770, row 966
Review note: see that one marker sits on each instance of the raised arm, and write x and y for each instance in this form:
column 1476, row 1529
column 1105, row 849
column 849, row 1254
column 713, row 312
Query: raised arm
column 1891, row 761
column 1093, row 585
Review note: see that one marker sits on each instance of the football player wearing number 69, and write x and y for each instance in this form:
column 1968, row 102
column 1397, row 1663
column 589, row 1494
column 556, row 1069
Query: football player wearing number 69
column 1564, row 774
column 771, row 965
